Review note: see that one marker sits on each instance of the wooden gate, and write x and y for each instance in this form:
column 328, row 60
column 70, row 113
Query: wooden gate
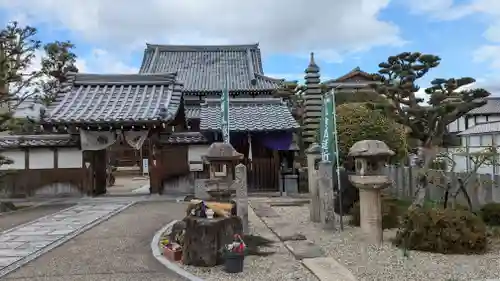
column 263, row 175
column 98, row 165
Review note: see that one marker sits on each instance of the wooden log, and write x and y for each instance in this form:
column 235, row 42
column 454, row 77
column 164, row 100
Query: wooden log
column 221, row 209
column 204, row 239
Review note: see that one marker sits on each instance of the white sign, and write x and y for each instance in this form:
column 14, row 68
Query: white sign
column 145, row 166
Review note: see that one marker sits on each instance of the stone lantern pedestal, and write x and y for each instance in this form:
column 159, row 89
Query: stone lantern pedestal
column 371, row 205
column 370, row 157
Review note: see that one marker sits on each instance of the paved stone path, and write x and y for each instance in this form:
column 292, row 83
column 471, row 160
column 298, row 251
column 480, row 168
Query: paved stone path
column 26, row 242
column 118, row 249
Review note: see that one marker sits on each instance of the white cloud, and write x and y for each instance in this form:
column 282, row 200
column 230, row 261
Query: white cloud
column 489, row 54
column 489, row 10
column 103, row 61
column 334, row 27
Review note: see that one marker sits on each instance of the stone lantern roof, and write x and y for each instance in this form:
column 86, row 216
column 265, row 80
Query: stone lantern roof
column 369, row 149
column 220, row 151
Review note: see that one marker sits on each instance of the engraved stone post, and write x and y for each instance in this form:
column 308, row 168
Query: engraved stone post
column 313, row 155
column 200, row 189
column 325, row 184
column 370, row 157
column 240, row 174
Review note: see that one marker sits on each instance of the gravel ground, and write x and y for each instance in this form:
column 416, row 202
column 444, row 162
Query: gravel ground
column 388, row 262
column 280, row 266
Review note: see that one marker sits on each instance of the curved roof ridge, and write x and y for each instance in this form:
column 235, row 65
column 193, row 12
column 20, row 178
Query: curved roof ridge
column 184, row 48
column 83, row 78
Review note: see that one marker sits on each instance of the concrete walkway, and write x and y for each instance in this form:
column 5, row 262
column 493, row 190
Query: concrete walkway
column 25, row 242
column 13, row 219
column 117, row 249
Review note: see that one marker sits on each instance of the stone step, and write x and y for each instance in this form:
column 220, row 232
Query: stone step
column 328, row 269
column 264, row 210
column 286, row 231
column 304, row 249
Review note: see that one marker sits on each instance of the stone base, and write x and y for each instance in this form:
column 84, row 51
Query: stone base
column 328, row 269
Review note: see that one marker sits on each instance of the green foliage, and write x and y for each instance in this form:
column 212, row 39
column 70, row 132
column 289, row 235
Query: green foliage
column 397, row 80
column 356, row 122
column 59, row 61
column 254, row 244
column 491, row 214
column 447, row 231
column 391, row 212
column 18, row 81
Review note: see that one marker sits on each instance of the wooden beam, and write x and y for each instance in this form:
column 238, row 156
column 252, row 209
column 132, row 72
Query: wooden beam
column 56, row 158
column 26, row 158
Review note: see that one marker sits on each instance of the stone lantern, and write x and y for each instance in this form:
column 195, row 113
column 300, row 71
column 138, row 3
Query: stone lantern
column 222, row 158
column 370, row 157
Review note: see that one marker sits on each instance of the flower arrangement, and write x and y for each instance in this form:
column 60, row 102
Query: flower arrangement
column 237, row 247
column 171, row 251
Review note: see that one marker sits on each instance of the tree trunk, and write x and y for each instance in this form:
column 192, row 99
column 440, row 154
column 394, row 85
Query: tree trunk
column 426, row 156
column 205, row 238
column 447, row 195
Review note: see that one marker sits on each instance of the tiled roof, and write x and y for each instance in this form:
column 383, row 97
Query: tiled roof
column 20, row 141
column 183, row 138
column 492, row 106
column 203, row 69
column 482, row 128
column 259, row 114
column 355, row 72
column 97, row 99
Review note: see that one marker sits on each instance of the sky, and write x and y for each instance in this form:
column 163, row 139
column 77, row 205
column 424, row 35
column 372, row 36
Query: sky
column 110, row 36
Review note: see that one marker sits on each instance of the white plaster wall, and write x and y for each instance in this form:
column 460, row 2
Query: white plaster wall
column 195, row 152
column 453, row 126
column 461, row 124
column 19, row 158
column 481, row 119
column 457, row 125
column 58, row 190
column 473, row 144
column 41, row 158
column 69, row 158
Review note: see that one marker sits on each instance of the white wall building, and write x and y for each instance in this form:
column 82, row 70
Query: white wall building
column 478, row 130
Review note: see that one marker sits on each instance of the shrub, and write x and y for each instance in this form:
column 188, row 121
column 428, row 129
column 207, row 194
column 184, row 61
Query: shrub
column 356, row 122
column 390, row 213
column 447, row 231
column 491, row 213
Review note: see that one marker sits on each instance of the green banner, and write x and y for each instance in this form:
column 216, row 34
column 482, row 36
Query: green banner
column 224, row 105
column 335, row 140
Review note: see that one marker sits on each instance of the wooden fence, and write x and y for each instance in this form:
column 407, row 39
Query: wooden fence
column 482, row 188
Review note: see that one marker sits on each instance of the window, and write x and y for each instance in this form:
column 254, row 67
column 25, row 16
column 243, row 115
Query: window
column 486, row 140
column 474, row 141
column 497, row 140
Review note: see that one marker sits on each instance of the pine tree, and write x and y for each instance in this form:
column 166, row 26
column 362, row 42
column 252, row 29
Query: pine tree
column 19, row 79
column 427, row 123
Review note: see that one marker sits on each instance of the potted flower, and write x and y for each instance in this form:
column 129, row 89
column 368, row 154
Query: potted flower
column 171, row 251
column 234, row 254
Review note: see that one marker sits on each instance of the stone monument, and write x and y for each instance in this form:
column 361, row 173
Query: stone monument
column 240, row 184
column 326, row 195
column 313, row 157
column 370, row 157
